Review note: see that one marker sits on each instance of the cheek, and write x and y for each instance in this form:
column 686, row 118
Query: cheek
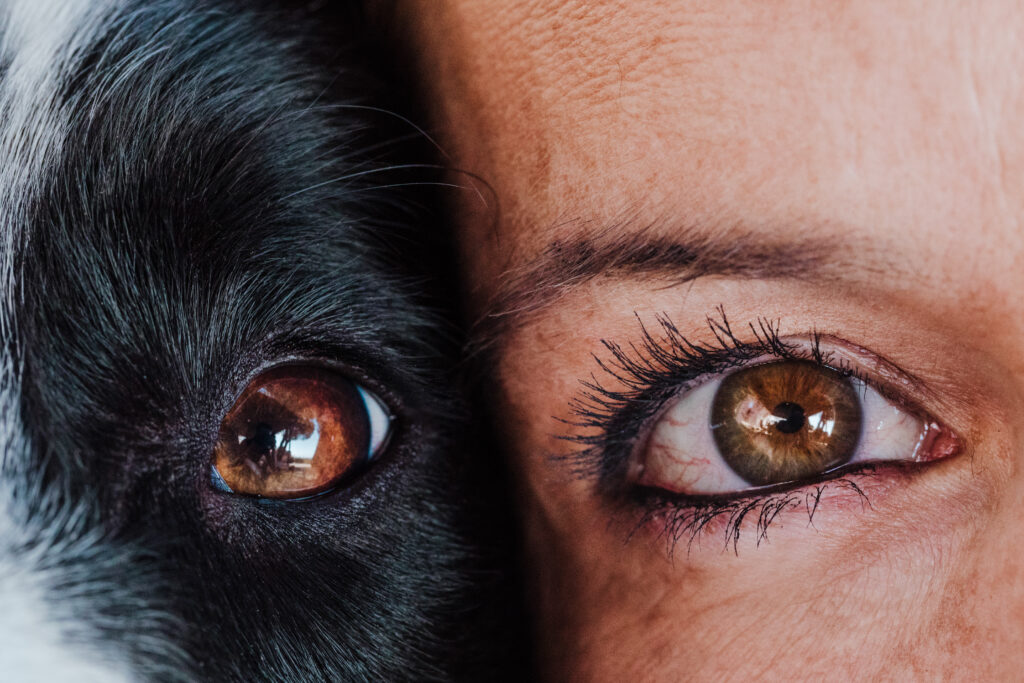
column 986, row 585
column 790, row 613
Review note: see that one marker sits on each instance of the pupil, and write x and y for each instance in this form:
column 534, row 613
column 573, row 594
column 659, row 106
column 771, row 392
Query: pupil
column 791, row 417
column 263, row 438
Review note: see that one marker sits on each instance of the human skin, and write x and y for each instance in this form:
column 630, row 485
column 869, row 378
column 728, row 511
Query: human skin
column 887, row 140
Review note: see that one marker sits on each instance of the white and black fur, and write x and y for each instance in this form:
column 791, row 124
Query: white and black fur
column 191, row 192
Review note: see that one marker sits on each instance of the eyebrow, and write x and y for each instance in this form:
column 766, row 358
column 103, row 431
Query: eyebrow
column 565, row 265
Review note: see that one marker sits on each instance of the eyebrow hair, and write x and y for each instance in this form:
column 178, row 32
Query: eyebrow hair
column 566, row 264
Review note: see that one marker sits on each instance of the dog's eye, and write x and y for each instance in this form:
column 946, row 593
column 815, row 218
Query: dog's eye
column 297, row 432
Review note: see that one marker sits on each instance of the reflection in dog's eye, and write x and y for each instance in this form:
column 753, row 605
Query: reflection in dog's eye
column 297, row 432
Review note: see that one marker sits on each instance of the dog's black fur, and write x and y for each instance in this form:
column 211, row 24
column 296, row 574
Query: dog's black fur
column 224, row 197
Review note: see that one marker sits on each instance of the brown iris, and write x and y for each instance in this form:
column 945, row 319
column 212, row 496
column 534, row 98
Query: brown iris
column 294, row 432
column 785, row 421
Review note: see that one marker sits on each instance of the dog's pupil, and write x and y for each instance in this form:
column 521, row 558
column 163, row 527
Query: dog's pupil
column 263, row 438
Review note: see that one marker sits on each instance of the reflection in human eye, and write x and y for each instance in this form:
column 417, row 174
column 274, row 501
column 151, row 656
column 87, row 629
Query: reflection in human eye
column 689, row 432
column 779, row 422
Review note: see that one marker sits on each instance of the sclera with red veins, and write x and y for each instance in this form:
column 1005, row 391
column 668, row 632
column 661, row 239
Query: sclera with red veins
column 681, row 454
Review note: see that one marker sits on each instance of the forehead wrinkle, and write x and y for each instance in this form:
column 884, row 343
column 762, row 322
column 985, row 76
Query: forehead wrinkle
column 580, row 52
column 537, row 69
column 525, row 83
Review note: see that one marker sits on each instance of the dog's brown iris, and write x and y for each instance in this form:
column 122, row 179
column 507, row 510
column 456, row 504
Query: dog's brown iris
column 294, row 432
column 785, row 421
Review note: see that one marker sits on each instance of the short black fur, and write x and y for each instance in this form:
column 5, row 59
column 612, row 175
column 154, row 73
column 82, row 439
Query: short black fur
column 233, row 193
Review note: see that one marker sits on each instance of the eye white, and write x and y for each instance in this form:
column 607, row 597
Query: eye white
column 380, row 421
column 681, row 455
column 889, row 432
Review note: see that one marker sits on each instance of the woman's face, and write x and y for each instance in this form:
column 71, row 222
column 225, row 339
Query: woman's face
column 828, row 193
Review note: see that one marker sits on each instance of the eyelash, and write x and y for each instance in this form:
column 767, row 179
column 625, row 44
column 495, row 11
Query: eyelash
column 691, row 516
column 654, row 371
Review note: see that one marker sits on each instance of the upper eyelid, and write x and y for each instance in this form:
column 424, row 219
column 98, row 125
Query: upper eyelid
column 884, row 368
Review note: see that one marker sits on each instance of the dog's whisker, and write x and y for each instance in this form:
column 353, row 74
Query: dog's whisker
column 360, row 174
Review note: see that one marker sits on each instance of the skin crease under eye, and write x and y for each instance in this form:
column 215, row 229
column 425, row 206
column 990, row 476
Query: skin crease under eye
column 891, row 125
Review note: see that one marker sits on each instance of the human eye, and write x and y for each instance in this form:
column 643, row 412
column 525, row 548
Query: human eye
column 706, row 434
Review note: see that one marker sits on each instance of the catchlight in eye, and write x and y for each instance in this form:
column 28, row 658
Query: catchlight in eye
column 785, row 421
column 295, row 432
column 779, row 422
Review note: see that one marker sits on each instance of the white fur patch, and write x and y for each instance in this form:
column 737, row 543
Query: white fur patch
column 35, row 38
column 32, row 644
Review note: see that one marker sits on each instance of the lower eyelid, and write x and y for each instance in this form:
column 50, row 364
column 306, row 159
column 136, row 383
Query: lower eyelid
column 687, row 521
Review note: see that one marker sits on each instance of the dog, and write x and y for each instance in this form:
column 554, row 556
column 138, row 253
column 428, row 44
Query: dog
column 196, row 194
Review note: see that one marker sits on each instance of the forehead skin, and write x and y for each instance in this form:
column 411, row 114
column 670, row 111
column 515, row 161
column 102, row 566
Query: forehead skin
column 799, row 113
column 895, row 125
